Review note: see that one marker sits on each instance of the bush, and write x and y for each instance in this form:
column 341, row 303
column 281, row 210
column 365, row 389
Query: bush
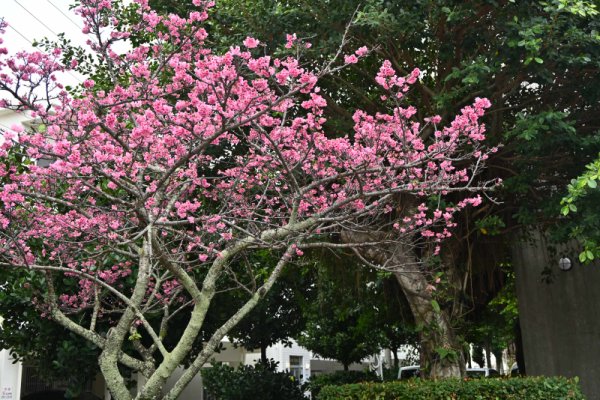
column 317, row 382
column 391, row 373
column 455, row 389
column 260, row 381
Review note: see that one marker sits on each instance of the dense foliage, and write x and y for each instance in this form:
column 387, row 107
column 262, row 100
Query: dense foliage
column 477, row 389
column 582, row 198
column 280, row 315
column 55, row 352
column 537, row 60
column 165, row 180
column 260, row 381
column 345, row 320
column 318, row 382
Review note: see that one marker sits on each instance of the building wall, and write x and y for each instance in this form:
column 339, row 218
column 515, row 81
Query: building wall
column 312, row 363
column 9, row 118
column 281, row 354
column 559, row 320
column 10, row 377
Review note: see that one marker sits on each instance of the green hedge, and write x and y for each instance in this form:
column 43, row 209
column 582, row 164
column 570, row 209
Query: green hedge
column 260, row 382
column 317, row 382
column 455, row 389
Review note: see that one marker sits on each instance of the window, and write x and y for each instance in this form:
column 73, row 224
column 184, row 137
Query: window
column 296, row 367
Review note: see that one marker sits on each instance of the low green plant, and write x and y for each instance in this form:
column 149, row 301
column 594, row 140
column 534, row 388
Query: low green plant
column 391, row 373
column 457, row 389
column 261, row 381
column 317, row 382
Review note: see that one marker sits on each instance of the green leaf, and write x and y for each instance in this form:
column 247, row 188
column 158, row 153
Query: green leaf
column 538, row 60
column 582, row 256
column 592, row 183
column 435, row 305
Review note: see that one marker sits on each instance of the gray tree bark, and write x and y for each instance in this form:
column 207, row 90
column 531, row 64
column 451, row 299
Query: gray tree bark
column 441, row 353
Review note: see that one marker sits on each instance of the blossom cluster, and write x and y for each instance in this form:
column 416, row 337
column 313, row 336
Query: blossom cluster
column 205, row 150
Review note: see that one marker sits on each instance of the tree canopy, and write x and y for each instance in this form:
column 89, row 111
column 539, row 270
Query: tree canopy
column 536, row 60
column 185, row 161
column 538, row 63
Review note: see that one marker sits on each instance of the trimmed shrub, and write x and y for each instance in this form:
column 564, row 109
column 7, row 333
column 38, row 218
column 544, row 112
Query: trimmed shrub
column 260, row 381
column 456, row 389
column 317, row 382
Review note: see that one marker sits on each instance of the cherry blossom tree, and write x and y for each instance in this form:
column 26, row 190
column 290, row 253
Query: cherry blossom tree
column 160, row 186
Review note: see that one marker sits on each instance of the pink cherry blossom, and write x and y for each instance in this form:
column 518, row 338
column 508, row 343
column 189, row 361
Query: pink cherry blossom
column 350, row 59
column 362, row 51
column 251, row 43
column 290, row 40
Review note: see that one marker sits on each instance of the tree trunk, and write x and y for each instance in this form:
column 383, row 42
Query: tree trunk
column 263, row 353
column 519, row 349
column 441, row 353
column 488, row 357
column 499, row 363
column 468, row 355
column 396, row 359
column 346, row 367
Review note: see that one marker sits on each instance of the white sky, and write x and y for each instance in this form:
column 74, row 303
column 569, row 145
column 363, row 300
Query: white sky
column 23, row 19
column 31, row 20
column 55, row 18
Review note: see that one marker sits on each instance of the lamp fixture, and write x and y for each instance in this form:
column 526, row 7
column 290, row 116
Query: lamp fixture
column 565, row 264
